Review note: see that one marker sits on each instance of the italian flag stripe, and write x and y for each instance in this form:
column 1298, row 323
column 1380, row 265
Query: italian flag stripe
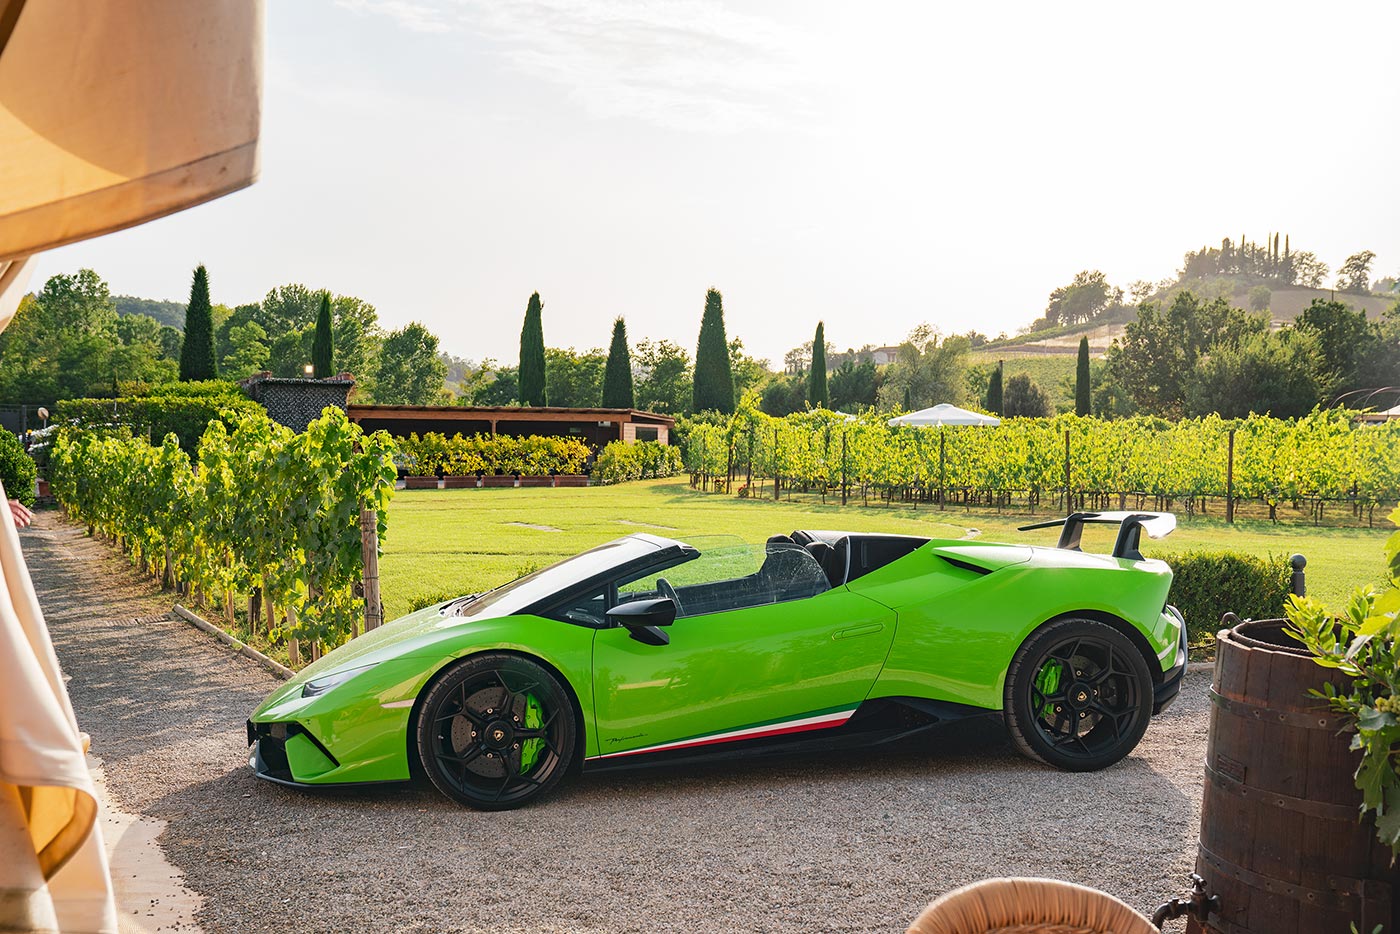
column 802, row 724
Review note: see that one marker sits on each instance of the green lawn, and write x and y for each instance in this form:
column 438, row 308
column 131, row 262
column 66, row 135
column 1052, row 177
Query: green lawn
column 458, row 541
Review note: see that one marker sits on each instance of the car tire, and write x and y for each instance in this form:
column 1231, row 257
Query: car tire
column 496, row 732
column 1078, row 695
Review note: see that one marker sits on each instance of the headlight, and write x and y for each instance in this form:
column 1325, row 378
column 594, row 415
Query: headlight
column 324, row 684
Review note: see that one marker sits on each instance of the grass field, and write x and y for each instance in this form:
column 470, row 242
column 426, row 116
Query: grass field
column 1049, row 371
column 459, row 541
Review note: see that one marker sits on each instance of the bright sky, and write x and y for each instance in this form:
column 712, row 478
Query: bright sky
column 871, row 164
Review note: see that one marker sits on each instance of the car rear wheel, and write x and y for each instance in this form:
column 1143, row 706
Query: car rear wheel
column 496, row 732
column 1078, row 695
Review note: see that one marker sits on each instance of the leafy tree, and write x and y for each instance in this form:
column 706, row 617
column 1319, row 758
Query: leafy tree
column 1082, row 390
column 410, row 372
column 785, row 395
column 250, row 351
column 356, row 336
column 60, row 343
column 749, row 372
column 321, row 366
column 289, row 307
column 1344, row 338
column 1355, row 274
column 171, row 340
column 854, row 387
column 617, row 375
column 1309, row 270
column 197, row 355
column 1086, row 298
column 816, row 382
column 1109, row 398
column 714, row 379
column 503, row 389
column 995, row 390
column 1024, row 399
column 574, row 380
column 289, row 353
column 1157, row 352
column 1259, row 298
column 1280, row 374
column 926, row 371
column 167, row 313
column 532, row 360
column 663, row 378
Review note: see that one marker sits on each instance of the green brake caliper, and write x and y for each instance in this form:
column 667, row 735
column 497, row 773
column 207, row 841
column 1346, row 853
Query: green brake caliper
column 1047, row 682
column 534, row 719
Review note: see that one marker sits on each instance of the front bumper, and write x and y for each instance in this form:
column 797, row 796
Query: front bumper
column 1165, row 693
column 287, row 753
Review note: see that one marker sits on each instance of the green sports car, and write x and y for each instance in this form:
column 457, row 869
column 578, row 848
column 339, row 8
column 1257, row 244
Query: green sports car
column 649, row 650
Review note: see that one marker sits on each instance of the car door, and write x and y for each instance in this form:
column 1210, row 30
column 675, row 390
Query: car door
column 747, row 657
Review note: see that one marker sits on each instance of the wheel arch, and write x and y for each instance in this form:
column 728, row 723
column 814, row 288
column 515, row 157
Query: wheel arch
column 415, row 763
column 1135, row 636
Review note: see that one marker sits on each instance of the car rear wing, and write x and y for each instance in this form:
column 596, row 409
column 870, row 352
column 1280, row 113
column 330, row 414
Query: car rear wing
column 1131, row 525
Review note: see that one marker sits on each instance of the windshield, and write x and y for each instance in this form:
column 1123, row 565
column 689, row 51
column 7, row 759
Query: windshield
column 536, row 586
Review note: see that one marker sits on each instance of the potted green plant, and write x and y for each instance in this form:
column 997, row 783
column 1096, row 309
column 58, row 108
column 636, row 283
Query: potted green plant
column 1363, row 642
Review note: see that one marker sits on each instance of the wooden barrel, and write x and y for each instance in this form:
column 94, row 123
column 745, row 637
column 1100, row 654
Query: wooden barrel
column 1281, row 843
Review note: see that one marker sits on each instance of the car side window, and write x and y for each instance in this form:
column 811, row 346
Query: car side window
column 732, row 577
column 588, row 610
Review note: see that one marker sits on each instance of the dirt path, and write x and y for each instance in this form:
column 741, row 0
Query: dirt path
column 848, row 842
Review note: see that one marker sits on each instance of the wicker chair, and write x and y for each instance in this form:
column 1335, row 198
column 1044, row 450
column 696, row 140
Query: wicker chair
column 1029, row 906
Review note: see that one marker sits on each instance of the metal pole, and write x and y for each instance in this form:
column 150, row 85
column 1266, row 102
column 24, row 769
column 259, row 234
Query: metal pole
column 1230, row 480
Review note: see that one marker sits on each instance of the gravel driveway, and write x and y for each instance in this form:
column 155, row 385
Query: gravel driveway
column 855, row 842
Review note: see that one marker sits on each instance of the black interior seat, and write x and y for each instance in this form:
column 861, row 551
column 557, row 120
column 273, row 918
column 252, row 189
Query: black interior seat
column 832, row 558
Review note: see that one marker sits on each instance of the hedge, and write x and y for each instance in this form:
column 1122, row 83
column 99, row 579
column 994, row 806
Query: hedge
column 643, row 460
column 182, row 409
column 16, row 469
column 459, row 456
column 1208, row 584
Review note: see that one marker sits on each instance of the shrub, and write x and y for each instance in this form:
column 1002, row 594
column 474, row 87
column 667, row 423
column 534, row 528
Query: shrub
column 462, row 456
column 182, row 409
column 1208, row 584
column 16, row 469
column 643, row 460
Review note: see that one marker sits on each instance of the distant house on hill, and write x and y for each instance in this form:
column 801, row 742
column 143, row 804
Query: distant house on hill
column 880, row 356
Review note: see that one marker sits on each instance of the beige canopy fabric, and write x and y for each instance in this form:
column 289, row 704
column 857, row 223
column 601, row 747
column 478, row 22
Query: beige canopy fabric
column 53, row 870
column 112, row 113
column 122, row 111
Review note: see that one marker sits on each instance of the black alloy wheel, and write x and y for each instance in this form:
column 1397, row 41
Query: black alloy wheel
column 1078, row 695
column 496, row 732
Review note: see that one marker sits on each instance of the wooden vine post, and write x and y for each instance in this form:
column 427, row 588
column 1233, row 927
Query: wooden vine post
column 369, row 551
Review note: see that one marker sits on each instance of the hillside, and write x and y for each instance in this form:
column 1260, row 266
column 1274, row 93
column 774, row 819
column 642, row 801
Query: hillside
column 168, row 313
column 1286, row 303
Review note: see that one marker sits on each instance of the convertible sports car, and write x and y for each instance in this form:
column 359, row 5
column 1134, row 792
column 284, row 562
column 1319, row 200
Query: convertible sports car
column 651, row 650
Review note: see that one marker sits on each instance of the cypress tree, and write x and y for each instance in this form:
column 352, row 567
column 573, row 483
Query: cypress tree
column 532, row 355
column 197, row 360
column 1081, row 379
column 714, row 378
column 617, row 375
column 994, row 390
column 321, row 346
column 816, row 380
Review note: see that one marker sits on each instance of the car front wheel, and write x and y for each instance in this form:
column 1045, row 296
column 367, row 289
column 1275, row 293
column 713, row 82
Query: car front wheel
column 496, row 732
column 1078, row 695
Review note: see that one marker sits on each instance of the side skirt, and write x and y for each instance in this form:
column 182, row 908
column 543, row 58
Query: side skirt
column 873, row 723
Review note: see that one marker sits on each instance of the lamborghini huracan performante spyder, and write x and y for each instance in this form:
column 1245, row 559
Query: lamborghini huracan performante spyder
column 650, row 650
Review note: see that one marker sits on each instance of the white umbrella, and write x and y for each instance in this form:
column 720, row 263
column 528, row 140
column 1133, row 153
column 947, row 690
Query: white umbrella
column 938, row 416
column 944, row 414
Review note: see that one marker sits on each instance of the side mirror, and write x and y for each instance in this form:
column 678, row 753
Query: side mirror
column 642, row 617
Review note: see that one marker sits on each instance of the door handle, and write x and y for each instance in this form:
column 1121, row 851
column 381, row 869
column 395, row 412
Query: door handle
column 853, row 631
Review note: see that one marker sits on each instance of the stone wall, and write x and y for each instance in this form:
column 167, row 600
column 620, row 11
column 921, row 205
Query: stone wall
column 296, row 402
